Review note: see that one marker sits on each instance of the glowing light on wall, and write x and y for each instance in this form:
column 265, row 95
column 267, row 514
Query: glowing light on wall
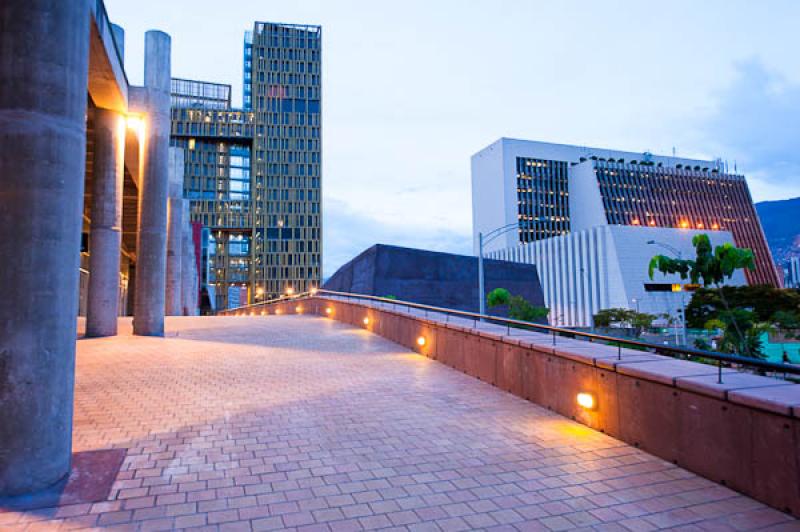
column 136, row 124
column 586, row 400
column 421, row 341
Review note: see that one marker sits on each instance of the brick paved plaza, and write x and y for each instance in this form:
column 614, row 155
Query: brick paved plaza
column 299, row 422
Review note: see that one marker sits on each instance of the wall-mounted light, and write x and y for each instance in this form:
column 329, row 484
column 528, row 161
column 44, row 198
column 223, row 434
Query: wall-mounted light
column 313, row 291
column 586, row 400
column 421, row 341
column 329, row 311
column 277, row 311
column 298, row 309
column 366, row 321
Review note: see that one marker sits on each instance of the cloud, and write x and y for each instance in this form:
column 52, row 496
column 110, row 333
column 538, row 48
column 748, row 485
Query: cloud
column 756, row 125
column 348, row 232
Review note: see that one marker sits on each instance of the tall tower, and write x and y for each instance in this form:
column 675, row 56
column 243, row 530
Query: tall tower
column 283, row 87
column 253, row 175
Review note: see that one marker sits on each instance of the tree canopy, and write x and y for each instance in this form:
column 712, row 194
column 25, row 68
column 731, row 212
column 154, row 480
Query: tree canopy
column 712, row 266
column 763, row 300
column 518, row 307
column 623, row 317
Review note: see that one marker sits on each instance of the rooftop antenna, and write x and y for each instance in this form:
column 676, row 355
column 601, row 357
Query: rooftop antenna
column 673, row 151
column 735, row 170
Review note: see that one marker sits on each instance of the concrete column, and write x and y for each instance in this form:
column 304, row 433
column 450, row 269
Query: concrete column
column 151, row 240
column 175, row 225
column 189, row 267
column 44, row 55
column 106, row 224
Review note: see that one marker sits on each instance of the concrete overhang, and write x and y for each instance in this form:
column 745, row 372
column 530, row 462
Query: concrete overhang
column 108, row 84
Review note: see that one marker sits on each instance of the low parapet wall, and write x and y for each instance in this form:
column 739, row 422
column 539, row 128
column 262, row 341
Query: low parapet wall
column 743, row 433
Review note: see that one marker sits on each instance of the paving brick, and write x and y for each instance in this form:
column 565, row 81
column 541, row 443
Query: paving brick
column 299, row 422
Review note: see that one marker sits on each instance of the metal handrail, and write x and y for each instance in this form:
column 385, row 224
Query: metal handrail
column 672, row 351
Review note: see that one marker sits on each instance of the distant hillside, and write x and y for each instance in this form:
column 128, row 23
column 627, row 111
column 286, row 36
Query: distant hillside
column 781, row 223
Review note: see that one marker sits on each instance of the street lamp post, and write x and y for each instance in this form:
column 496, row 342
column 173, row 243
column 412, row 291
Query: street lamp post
column 682, row 310
column 483, row 240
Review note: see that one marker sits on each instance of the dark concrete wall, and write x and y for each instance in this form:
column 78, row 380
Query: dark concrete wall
column 433, row 278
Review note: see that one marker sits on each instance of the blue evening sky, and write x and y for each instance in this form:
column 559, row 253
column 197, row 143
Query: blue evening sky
column 412, row 88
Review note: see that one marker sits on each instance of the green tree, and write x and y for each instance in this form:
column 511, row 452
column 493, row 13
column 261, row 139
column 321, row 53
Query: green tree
column 764, row 300
column 710, row 266
column 623, row 317
column 713, row 266
column 518, row 307
column 741, row 332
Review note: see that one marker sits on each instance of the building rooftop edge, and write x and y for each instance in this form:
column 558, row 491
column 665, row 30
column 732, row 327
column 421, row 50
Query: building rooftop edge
column 585, row 151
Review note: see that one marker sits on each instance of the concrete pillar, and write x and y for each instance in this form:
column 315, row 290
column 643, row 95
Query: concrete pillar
column 189, row 267
column 151, row 240
column 44, row 54
column 106, row 224
column 175, row 225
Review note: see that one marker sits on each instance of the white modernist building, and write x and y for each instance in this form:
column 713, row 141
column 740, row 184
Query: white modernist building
column 591, row 219
column 606, row 266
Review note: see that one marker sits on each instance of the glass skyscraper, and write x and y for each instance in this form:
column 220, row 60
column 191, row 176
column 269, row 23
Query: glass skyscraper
column 254, row 174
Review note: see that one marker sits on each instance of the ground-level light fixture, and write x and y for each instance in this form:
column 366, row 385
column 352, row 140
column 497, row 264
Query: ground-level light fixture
column 586, row 400
column 421, row 341
column 289, row 290
column 313, row 291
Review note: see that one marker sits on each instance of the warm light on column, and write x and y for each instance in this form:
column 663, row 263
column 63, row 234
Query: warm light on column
column 289, row 290
column 313, row 291
column 586, row 400
column 329, row 311
column 299, row 310
column 136, row 124
column 277, row 311
column 421, row 341
column 366, row 321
